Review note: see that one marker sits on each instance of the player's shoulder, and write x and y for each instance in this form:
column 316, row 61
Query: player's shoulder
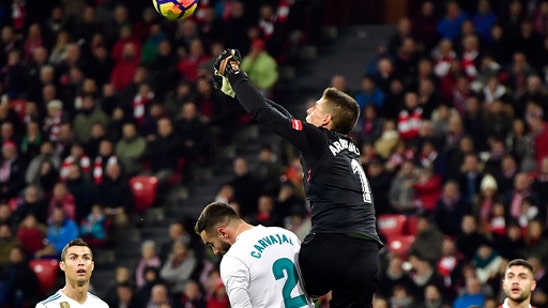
column 95, row 301
column 50, row 300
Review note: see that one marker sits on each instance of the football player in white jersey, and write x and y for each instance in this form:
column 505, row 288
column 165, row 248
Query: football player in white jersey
column 259, row 266
column 77, row 263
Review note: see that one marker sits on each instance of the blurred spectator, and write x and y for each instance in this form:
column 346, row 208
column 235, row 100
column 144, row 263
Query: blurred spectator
column 409, row 119
column 470, row 177
column 177, row 233
column 511, row 244
column 47, row 154
column 261, row 67
column 91, row 114
column 472, row 295
column 403, row 31
column 488, row 263
column 427, row 189
column 160, row 297
column 19, row 282
column 522, row 189
column 401, row 297
column 149, row 258
column 62, row 198
column 450, row 266
column 423, row 273
column 6, row 215
column 93, row 228
column 192, row 296
column 163, row 151
column 114, row 195
column 141, row 103
column 82, row 190
column 268, row 170
column 150, row 47
column 393, row 274
column 162, row 71
column 265, row 212
column 380, row 182
column 536, row 242
column 31, row 233
column 9, row 42
column 125, row 297
column 219, row 298
column 388, row 140
column 13, row 73
column 246, row 191
column 195, row 56
column 469, row 238
column 77, row 157
column 450, row 25
column 369, row 93
column 433, row 298
column 130, row 150
column 175, row 98
column 483, row 202
column 98, row 134
column 126, row 66
column 401, row 194
column 339, row 82
column 484, row 19
column 238, row 21
column 178, row 268
column 12, row 172
column 450, row 209
column 61, row 230
column 370, row 125
column 428, row 240
column 540, row 294
column 105, row 158
column 423, row 26
column 33, row 202
column 122, row 275
column 194, row 135
column 520, row 144
column 7, row 242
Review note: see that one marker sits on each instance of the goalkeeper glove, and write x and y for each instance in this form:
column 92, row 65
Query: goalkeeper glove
column 228, row 62
column 221, row 83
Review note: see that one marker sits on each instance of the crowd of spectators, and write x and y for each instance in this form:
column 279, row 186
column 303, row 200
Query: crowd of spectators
column 96, row 92
column 453, row 137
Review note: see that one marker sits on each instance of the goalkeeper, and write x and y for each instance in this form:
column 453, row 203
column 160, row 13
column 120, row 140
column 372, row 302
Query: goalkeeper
column 341, row 252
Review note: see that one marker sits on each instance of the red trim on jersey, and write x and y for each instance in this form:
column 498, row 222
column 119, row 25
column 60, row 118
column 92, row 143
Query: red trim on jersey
column 296, row 124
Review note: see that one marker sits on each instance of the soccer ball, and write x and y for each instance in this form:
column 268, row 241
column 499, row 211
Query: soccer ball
column 175, row 9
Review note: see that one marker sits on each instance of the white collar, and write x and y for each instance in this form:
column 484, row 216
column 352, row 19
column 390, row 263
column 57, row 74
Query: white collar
column 505, row 304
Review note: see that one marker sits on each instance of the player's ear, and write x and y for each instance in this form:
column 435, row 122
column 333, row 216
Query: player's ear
column 221, row 233
column 533, row 285
column 327, row 119
column 62, row 265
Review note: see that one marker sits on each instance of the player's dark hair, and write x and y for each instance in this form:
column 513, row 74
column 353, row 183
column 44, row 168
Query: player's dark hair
column 75, row 242
column 344, row 110
column 521, row 262
column 214, row 214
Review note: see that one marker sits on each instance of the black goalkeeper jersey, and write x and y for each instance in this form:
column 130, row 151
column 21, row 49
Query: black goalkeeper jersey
column 335, row 183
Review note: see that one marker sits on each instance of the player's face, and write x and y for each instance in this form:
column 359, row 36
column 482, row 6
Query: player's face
column 518, row 283
column 77, row 265
column 315, row 114
column 218, row 245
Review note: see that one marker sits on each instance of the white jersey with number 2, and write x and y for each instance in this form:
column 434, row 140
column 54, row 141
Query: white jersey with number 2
column 60, row 300
column 261, row 270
